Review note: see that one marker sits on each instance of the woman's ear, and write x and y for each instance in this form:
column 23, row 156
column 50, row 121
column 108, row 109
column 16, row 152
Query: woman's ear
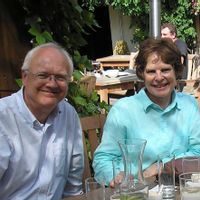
column 142, row 76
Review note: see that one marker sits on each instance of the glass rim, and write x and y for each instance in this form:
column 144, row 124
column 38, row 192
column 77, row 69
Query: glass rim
column 90, row 179
column 133, row 140
column 181, row 176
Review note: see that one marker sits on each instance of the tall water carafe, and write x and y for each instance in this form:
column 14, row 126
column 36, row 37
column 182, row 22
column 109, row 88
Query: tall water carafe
column 133, row 185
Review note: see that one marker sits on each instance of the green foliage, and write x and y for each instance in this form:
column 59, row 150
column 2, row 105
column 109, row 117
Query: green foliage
column 179, row 12
column 85, row 104
column 65, row 22
column 41, row 37
column 19, row 82
column 195, row 7
column 82, row 62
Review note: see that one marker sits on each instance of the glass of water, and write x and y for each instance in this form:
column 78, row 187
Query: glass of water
column 91, row 188
column 190, row 186
column 166, row 175
column 191, row 164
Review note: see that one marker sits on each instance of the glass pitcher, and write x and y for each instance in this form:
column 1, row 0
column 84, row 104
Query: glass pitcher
column 133, row 185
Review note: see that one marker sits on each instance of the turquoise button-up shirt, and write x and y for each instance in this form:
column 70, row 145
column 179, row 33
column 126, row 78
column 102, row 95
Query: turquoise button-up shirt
column 39, row 161
column 174, row 129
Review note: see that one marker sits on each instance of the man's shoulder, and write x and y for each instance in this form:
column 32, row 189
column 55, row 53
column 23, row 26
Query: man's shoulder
column 182, row 46
column 7, row 102
column 180, row 42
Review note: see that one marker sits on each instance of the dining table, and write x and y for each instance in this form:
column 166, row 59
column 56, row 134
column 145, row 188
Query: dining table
column 97, row 195
column 114, row 61
column 104, row 85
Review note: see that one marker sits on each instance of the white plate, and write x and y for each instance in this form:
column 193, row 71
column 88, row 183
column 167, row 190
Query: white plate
column 123, row 73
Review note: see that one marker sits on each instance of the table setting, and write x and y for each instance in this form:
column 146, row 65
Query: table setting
column 113, row 76
column 176, row 179
column 113, row 80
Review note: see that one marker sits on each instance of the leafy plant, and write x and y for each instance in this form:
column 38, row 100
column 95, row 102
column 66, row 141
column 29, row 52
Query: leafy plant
column 40, row 36
column 86, row 104
column 195, row 7
column 121, row 48
column 65, row 22
column 179, row 13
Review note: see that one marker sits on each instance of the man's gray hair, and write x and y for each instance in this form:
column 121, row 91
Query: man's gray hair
column 30, row 54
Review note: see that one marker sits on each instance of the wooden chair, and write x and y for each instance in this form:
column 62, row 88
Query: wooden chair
column 191, row 87
column 92, row 127
column 88, row 83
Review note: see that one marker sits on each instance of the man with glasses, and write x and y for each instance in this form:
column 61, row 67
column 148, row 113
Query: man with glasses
column 41, row 150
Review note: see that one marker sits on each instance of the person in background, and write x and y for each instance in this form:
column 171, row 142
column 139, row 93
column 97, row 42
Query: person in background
column 168, row 30
column 41, row 150
column 167, row 119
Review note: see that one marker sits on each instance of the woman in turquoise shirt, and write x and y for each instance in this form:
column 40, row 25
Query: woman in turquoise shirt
column 167, row 119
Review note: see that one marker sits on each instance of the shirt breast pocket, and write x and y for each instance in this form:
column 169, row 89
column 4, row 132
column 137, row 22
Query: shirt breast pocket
column 60, row 158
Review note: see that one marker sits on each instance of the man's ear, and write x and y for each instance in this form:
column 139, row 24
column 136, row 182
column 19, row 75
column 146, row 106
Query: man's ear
column 24, row 77
column 174, row 35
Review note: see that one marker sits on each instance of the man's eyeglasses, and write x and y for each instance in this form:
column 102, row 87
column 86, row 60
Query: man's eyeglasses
column 43, row 76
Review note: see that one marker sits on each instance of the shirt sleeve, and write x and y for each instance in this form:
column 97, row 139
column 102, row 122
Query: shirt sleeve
column 194, row 137
column 108, row 148
column 193, row 148
column 5, row 153
column 74, row 179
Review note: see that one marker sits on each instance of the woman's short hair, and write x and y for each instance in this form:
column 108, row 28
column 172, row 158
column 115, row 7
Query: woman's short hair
column 31, row 53
column 165, row 49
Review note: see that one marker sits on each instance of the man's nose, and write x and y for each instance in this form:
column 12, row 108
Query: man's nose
column 52, row 80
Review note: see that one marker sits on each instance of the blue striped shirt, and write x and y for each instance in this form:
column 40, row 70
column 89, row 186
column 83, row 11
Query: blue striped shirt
column 39, row 161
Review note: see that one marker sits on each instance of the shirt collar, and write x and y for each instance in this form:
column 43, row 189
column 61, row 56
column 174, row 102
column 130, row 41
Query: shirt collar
column 148, row 104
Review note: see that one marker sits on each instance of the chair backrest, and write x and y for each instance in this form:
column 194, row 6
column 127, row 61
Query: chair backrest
column 88, row 83
column 92, row 127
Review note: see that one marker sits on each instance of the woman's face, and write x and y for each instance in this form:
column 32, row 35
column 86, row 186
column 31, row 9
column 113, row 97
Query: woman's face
column 160, row 80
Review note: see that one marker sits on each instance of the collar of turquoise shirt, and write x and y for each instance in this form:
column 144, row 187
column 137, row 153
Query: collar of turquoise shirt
column 148, row 104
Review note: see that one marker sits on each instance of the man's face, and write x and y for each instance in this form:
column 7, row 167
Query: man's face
column 165, row 33
column 44, row 81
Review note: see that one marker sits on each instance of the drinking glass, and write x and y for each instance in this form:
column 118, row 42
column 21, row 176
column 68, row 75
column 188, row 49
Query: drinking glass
column 91, row 187
column 155, row 194
column 191, row 164
column 190, row 186
column 133, row 185
column 166, row 175
column 118, row 177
